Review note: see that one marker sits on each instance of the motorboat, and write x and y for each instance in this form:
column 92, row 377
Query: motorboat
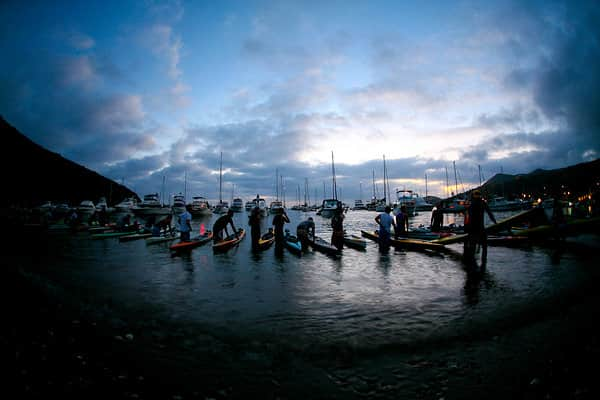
column 502, row 204
column 454, row 206
column 262, row 205
column 86, row 208
column 150, row 206
column 359, row 205
column 237, row 205
column 421, row 204
column 328, row 207
column 200, row 206
column 102, row 205
column 126, row 205
column 178, row 204
column 276, row 207
column 221, row 208
column 407, row 199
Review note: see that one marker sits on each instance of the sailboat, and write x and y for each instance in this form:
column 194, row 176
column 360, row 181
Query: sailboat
column 421, row 202
column 276, row 206
column 237, row 204
column 455, row 204
column 222, row 207
column 330, row 205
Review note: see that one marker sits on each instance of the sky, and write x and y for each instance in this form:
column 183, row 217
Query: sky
column 151, row 93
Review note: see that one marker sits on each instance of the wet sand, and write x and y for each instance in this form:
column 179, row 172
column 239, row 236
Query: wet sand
column 67, row 349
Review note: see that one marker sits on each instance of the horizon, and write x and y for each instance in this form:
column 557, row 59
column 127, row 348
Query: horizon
column 159, row 89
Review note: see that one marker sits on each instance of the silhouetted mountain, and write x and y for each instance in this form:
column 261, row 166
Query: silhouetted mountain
column 33, row 175
column 568, row 182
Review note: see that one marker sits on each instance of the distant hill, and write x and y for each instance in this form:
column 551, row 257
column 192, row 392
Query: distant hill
column 570, row 182
column 33, row 175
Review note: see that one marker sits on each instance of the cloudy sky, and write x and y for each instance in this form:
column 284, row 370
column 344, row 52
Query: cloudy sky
column 150, row 91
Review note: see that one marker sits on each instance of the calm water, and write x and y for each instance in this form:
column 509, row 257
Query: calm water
column 367, row 299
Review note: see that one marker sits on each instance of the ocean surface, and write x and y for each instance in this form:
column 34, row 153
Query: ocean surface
column 365, row 301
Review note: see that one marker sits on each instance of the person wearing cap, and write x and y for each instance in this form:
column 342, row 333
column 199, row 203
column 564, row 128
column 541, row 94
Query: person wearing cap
column 305, row 231
column 185, row 225
column 220, row 225
column 475, row 221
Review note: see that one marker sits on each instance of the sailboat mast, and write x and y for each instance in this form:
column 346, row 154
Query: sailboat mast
column 221, row 180
column 282, row 191
column 162, row 194
column 447, row 182
column 333, row 174
column 426, row 185
column 386, row 183
column 374, row 197
column 276, row 184
column 306, row 192
column 360, row 190
column 455, row 179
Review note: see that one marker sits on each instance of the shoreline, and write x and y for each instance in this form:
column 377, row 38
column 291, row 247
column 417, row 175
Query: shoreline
column 63, row 349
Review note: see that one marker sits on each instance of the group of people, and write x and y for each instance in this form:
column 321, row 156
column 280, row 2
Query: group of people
column 474, row 222
column 305, row 231
column 386, row 221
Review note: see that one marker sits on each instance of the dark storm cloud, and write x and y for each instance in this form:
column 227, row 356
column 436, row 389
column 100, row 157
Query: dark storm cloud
column 565, row 80
column 58, row 102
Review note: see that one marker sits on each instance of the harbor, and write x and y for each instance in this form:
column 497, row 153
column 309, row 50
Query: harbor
column 363, row 324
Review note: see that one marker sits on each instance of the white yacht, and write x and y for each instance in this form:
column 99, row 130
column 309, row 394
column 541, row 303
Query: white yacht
column 237, row 205
column 359, row 205
column 126, row 205
column 501, row 204
column 328, row 207
column 221, row 208
column 421, row 204
column 86, row 208
column 151, row 206
column 262, row 205
column 200, row 206
column 276, row 207
column 178, row 203
column 405, row 198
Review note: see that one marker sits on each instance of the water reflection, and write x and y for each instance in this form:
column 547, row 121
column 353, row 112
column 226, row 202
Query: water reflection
column 404, row 294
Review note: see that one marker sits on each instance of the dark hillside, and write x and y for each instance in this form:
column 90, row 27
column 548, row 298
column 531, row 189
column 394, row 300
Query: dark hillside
column 569, row 182
column 33, row 175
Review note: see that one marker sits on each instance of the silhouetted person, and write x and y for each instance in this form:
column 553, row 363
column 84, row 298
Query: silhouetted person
column 306, row 232
column 401, row 222
column 475, row 224
column 437, row 218
column 337, row 224
column 220, row 226
column 279, row 221
column 255, row 220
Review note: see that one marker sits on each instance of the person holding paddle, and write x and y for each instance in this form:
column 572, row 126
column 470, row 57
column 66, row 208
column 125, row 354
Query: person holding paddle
column 220, row 225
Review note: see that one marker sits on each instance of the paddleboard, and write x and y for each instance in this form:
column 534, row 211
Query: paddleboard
column 193, row 242
column 229, row 242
